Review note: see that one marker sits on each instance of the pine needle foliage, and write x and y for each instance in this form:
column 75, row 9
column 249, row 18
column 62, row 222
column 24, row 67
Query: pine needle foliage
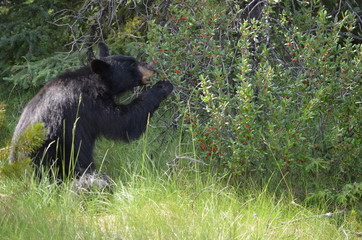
column 33, row 138
column 37, row 73
column 26, row 29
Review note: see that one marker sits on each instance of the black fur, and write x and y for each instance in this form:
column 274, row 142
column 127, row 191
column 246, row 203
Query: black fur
column 79, row 106
column 103, row 50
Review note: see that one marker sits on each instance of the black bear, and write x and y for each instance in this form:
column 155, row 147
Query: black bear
column 77, row 107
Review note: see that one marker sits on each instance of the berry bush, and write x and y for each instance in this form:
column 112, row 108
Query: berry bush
column 276, row 93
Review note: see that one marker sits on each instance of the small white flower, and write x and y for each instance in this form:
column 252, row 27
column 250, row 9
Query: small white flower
column 329, row 214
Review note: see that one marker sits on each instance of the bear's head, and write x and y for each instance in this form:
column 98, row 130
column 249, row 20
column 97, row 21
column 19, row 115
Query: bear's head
column 121, row 73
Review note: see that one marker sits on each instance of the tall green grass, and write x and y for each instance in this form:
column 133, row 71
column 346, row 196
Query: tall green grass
column 150, row 201
column 161, row 208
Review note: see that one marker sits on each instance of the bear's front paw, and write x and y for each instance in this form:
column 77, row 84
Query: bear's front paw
column 164, row 87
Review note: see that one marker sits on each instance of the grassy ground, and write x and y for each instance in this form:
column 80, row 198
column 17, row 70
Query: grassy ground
column 151, row 201
column 161, row 208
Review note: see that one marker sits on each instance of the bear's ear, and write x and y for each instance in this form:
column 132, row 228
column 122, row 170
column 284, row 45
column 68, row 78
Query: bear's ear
column 103, row 50
column 99, row 66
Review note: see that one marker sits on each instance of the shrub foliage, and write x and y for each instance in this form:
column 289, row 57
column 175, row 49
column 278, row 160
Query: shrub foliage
column 280, row 92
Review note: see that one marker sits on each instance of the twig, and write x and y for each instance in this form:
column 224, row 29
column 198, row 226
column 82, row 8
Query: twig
column 351, row 35
column 314, row 216
column 192, row 160
column 88, row 24
column 357, row 15
column 250, row 9
column 5, row 148
column 353, row 232
column 164, row 13
column 4, row 196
